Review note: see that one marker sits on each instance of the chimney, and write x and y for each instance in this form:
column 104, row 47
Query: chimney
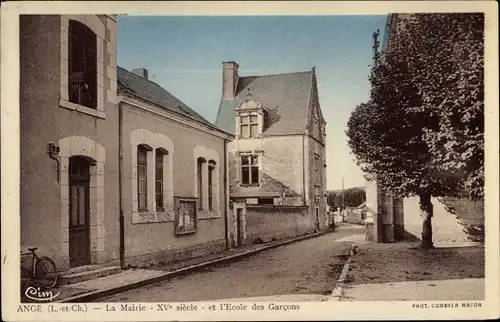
column 229, row 78
column 143, row 72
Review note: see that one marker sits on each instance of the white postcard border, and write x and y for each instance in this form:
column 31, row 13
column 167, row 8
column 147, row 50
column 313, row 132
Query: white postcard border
column 10, row 165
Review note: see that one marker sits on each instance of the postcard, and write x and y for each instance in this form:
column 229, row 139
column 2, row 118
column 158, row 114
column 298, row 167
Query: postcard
column 253, row 160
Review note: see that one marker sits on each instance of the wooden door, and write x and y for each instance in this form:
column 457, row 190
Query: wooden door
column 317, row 219
column 79, row 204
column 239, row 235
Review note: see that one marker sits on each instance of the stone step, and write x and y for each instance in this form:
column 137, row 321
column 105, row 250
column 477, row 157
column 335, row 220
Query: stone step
column 87, row 273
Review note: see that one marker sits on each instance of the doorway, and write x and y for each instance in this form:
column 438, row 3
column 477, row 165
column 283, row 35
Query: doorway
column 317, row 219
column 239, row 224
column 79, row 210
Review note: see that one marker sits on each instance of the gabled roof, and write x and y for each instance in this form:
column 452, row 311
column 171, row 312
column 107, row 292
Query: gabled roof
column 284, row 96
column 150, row 91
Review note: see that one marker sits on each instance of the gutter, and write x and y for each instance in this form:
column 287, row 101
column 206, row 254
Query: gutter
column 120, row 185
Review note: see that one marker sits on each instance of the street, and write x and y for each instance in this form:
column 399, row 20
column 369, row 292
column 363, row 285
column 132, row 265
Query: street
column 305, row 267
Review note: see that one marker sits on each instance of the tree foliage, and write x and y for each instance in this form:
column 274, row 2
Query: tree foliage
column 447, row 64
column 421, row 133
column 422, row 130
column 353, row 197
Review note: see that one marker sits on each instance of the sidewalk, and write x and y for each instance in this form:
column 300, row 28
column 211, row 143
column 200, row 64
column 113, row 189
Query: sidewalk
column 401, row 271
column 90, row 290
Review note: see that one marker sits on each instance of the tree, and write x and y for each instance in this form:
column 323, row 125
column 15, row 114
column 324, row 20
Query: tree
column 448, row 66
column 353, row 197
column 401, row 136
column 334, row 199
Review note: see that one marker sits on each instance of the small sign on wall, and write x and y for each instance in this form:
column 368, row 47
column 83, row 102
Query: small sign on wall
column 252, row 201
column 185, row 216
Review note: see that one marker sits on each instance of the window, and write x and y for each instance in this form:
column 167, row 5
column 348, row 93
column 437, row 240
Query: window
column 82, row 65
column 266, row 201
column 211, row 171
column 142, row 178
column 249, row 126
column 200, row 165
column 250, row 170
column 159, row 178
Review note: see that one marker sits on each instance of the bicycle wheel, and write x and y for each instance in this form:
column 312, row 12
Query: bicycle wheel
column 46, row 272
column 25, row 279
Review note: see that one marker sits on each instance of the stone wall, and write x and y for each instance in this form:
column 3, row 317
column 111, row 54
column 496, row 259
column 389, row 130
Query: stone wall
column 178, row 254
column 445, row 227
column 278, row 222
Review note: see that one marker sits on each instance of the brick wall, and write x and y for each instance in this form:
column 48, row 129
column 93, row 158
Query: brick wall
column 268, row 222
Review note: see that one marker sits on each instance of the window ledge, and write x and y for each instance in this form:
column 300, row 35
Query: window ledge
column 249, row 137
column 82, row 109
column 210, row 217
column 188, row 232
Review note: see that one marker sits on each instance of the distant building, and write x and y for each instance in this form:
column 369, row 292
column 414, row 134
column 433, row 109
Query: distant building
column 278, row 154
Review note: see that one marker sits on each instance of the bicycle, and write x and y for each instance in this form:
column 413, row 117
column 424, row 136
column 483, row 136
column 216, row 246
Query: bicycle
column 43, row 271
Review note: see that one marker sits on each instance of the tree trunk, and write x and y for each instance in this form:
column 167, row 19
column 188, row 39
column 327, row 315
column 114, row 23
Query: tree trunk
column 427, row 210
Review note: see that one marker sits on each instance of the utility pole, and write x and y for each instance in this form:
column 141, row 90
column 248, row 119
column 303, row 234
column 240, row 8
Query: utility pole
column 375, row 48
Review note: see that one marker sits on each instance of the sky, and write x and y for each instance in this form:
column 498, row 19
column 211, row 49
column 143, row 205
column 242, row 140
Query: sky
column 184, row 55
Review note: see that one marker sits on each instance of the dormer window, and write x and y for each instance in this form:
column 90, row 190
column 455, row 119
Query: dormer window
column 249, row 126
column 82, row 65
column 250, row 117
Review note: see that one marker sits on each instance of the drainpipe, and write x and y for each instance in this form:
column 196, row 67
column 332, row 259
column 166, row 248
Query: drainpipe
column 120, row 186
column 226, row 195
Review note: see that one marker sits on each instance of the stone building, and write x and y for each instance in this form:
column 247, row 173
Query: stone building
column 174, row 170
column 114, row 169
column 278, row 155
column 68, row 138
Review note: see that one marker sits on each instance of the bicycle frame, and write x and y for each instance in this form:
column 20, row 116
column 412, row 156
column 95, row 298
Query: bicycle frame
column 34, row 261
